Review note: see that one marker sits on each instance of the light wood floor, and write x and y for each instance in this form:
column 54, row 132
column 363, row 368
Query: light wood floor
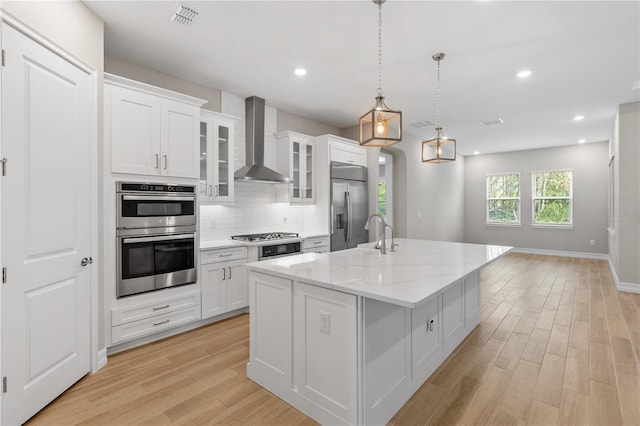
column 557, row 345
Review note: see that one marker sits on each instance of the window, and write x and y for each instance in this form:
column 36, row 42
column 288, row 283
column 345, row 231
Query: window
column 385, row 185
column 503, row 199
column 552, row 197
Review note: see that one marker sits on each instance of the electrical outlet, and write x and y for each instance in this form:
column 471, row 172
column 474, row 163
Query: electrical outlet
column 325, row 322
column 419, row 214
column 592, row 242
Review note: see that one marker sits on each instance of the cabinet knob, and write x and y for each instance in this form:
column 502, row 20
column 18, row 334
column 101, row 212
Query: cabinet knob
column 86, row 261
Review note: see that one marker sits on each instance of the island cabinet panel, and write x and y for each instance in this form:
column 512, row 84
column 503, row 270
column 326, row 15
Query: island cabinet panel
column 426, row 337
column 387, row 360
column 453, row 329
column 325, row 349
column 472, row 312
column 271, row 328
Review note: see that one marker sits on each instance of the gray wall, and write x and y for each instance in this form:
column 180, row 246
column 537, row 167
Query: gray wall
column 589, row 163
column 624, row 243
column 155, row 78
column 434, row 190
column 297, row 123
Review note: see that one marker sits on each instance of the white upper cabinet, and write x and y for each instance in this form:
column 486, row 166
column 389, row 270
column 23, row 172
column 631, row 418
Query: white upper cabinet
column 152, row 131
column 216, row 157
column 296, row 159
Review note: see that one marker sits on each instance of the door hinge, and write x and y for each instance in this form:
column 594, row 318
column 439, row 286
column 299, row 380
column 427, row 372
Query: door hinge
column 4, row 384
column 4, row 275
column 4, row 166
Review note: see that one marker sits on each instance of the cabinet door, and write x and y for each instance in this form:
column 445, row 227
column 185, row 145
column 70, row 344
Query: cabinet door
column 270, row 329
column 453, row 316
column 237, row 295
column 223, row 162
column 214, row 299
column 135, row 131
column 296, row 153
column 472, row 313
column 180, row 140
column 426, row 338
column 325, row 349
column 308, row 183
column 205, row 185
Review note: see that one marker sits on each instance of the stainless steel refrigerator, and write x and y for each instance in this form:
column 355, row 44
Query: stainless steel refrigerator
column 349, row 206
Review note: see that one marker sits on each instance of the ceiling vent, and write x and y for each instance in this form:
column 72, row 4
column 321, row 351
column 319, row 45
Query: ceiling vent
column 184, row 15
column 423, row 124
column 495, row 122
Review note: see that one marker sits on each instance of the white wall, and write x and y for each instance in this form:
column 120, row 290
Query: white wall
column 624, row 242
column 590, row 175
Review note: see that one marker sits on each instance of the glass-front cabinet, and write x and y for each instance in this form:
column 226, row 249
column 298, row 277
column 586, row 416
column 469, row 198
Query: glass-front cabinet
column 216, row 157
column 296, row 159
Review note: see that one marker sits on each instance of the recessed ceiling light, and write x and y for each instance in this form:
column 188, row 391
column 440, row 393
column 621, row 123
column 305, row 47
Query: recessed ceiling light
column 582, row 141
column 578, row 117
column 300, row 72
column 476, row 152
column 523, row 74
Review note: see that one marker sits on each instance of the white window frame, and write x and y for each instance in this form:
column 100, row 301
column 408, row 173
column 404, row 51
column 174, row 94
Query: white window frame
column 534, row 198
column 487, row 199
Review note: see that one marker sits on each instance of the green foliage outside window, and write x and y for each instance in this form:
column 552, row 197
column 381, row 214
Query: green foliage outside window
column 552, row 192
column 503, row 198
column 382, row 198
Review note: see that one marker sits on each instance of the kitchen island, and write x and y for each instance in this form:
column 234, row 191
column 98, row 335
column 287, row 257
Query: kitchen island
column 347, row 337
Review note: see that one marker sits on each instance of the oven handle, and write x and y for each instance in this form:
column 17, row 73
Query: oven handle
column 156, row 198
column 158, row 238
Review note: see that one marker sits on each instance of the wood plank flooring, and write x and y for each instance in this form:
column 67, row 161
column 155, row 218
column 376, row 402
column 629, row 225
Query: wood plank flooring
column 557, row 345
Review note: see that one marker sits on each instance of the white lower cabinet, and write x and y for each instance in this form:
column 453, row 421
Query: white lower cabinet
column 325, row 349
column 346, row 359
column 141, row 319
column 426, row 336
column 453, row 329
column 224, row 287
column 316, row 245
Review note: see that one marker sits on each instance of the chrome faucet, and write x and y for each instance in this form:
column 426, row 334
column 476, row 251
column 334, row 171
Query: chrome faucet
column 383, row 248
column 393, row 244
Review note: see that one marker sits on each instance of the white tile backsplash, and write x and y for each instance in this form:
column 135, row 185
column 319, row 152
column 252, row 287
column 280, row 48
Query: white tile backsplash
column 255, row 208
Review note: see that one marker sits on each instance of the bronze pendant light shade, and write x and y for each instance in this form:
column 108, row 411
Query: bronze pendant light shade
column 438, row 149
column 381, row 126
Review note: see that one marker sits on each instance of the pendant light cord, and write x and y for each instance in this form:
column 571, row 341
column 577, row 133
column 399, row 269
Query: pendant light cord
column 380, row 49
column 438, row 96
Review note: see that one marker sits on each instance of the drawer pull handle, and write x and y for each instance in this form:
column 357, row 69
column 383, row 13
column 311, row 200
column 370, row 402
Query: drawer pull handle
column 161, row 307
column 431, row 325
column 161, row 322
column 317, row 242
column 225, row 255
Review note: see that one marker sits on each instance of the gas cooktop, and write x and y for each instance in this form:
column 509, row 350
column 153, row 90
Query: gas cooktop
column 267, row 236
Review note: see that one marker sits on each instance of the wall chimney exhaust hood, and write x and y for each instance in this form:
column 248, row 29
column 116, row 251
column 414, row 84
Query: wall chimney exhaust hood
column 254, row 170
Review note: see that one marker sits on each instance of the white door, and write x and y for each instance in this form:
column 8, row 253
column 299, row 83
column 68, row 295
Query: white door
column 180, row 140
column 213, row 289
column 46, row 136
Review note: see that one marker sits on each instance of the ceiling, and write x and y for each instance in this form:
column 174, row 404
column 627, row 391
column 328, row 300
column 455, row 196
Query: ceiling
column 584, row 58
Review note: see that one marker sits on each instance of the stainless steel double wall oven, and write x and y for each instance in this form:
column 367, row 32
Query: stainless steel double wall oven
column 156, row 236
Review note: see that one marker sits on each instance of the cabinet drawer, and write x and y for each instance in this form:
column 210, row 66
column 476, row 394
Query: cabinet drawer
column 139, row 312
column 155, row 324
column 347, row 153
column 222, row 255
column 312, row 243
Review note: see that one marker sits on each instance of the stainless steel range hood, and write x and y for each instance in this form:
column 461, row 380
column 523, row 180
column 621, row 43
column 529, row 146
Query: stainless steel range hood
column 255, row 170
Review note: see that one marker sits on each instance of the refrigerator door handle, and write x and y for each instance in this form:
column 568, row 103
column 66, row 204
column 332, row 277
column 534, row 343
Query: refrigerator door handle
column 349, row 216
column 333, row 218
column 347, row 224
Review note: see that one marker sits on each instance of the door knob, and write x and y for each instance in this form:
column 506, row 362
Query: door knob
column 86, row 261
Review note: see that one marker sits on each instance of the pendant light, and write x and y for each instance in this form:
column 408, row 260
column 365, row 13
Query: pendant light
column 439, row 149
column 381, row 126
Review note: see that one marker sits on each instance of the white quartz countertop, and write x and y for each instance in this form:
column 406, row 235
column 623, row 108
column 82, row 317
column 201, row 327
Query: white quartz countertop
column 416, row 271
column 220, row 244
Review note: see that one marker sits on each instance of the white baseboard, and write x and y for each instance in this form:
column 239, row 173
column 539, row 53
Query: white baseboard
column 581, row 255
column 102, row 359
column 622, row 286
